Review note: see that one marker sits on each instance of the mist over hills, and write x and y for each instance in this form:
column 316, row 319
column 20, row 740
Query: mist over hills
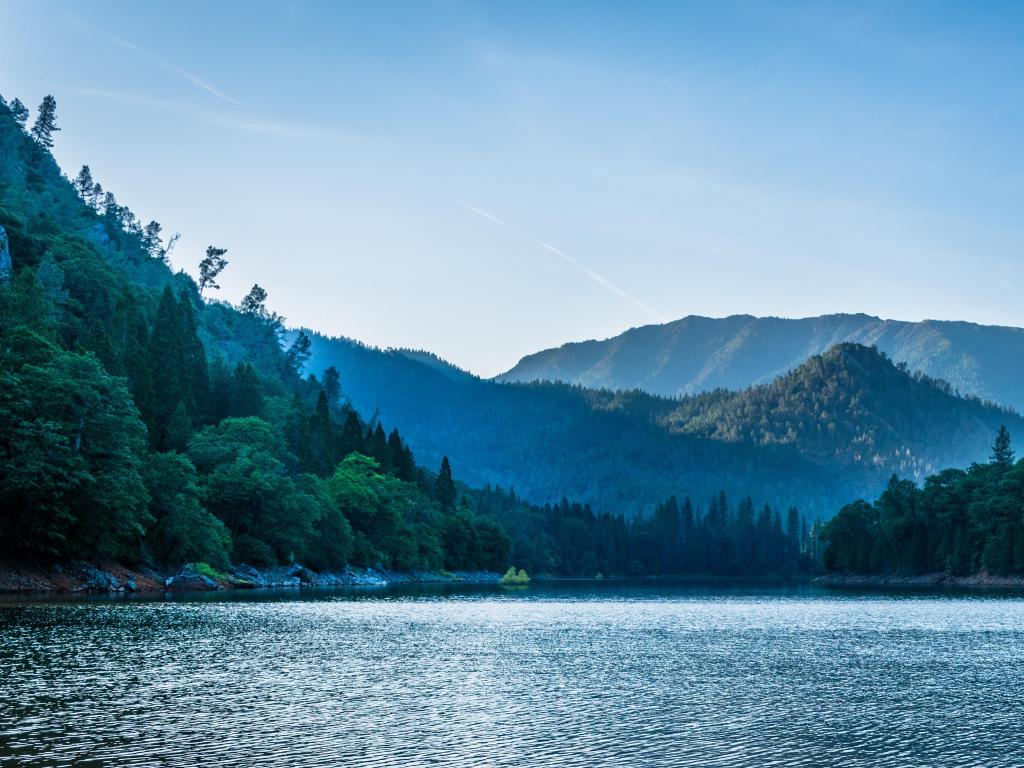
column 698, row 354
column 834, row 428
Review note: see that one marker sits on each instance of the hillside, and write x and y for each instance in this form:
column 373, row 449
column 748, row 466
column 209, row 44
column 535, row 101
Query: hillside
column 697, row 354
column 142, row 421
column 833, row 429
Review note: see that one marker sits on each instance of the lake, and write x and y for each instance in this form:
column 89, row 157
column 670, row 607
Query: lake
column 597, row 674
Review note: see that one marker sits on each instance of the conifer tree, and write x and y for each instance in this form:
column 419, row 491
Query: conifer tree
column 1002, row 454
column 210, row 267
column 246, row 392
column 195, row 373
column 46, row 122
column 84, row 183
column 166, row 362
column 351, row 436
column 19, row 111
column 151, row 240
column 96, row 196
column 255, row 302
column 444, row 487
column 332, row 386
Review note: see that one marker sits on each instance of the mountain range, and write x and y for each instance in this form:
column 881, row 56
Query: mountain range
column 834, row 428
column 698, row 354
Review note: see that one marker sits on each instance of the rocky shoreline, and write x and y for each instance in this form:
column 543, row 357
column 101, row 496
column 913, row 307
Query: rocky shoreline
column 84, row 578
column 978, row 580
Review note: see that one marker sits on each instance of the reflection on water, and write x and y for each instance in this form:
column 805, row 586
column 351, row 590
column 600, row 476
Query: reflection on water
column 554, row 675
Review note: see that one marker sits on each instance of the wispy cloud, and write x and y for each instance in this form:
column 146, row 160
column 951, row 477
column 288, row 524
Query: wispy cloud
column 241, row 123
column 594, row 276
column 192, row 77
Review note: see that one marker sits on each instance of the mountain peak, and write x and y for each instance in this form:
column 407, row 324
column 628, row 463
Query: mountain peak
column 696, row 354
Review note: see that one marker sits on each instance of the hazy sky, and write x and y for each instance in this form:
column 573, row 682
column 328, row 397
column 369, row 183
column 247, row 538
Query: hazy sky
column 488, row 179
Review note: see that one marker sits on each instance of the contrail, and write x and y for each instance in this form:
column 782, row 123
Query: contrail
column 190, row 76
column 599, row 279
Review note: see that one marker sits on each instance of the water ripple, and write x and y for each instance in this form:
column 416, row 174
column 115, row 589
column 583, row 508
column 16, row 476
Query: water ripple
column 539, row 678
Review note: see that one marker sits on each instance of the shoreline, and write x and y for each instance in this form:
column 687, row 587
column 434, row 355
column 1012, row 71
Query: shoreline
column 111, row 578
column 974, row 581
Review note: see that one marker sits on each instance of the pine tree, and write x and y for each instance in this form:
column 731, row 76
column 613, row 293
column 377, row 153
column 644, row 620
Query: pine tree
column 46, row 122
column 84, row 183
column 96, row 196
column 166, row 362
column 351, row 436
column 254, row 302
column 19, row 111
column 444, row 488
column 151, row 240
column 332, row 386
column 195, row 373
column 210, row 267
column 246, row 392
column 1002, row 454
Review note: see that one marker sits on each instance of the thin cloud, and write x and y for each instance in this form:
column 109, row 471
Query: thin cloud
column 206, row 85
column 594, row 276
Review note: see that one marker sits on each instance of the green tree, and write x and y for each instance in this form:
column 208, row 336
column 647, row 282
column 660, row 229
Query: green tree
column 19, row 111
column 46, row 122
column 1002, row 454
column 210, row 267
column 444, row 486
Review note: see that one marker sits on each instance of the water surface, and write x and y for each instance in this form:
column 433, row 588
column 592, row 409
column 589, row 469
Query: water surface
column 555, row 675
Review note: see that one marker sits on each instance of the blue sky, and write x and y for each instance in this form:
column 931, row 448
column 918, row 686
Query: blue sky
column 488, row 179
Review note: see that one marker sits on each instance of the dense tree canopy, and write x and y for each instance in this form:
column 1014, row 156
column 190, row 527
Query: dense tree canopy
column 960, row 522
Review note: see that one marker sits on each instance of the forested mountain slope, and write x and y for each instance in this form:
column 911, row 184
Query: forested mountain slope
column 833, row 429
column 697, row 354
column 142, row 421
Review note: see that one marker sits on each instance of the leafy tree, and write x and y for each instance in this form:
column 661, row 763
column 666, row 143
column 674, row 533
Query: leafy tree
column 46, row 122
column 182, row 530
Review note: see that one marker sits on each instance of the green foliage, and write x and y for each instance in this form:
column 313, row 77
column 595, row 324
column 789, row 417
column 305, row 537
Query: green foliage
column 119, row 438
column 514, row 579
column 959, row 522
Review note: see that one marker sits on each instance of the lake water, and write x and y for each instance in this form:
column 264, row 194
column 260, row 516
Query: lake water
column 550, row 675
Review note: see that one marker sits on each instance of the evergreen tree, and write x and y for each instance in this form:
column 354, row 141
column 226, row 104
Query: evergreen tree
column 195, row 374
column 351, row 436
column 444, row 487
column 254, row 302
column 210, row 267
column 1002, row 454
column 46, row 122
column 332, row 386
column 19, row 112
column 151, row 240
column 96, row 196
column 166, row 362
column 246, row 392
column 84, row 183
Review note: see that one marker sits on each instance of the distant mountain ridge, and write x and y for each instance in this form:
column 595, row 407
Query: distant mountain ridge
column 699, row 354
column 834, row 428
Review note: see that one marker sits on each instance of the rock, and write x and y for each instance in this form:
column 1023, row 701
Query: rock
column 96, row 580
column 131, row 586
column 6, row 265
column 188, row 579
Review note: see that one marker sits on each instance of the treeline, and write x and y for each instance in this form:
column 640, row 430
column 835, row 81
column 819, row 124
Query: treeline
column 139, row 421
column 678, row 539
column 960, row 521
